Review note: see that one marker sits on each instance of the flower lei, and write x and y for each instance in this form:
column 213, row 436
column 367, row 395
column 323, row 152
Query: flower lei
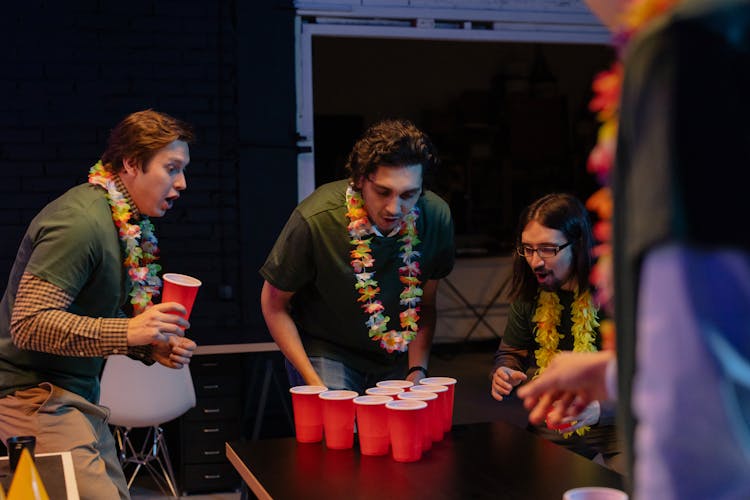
column 547, row 319
column 138, row 239
column 607, row 88
column 367, row 286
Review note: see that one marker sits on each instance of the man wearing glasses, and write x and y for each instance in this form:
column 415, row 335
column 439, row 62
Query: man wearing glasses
column 552, row 310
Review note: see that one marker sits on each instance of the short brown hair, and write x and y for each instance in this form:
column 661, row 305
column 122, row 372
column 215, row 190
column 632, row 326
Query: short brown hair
column 140, row 135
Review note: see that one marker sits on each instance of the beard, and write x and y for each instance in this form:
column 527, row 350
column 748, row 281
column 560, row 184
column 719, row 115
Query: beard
column 549, row 282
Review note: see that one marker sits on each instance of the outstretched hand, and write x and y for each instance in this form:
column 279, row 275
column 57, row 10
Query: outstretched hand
column 157, row 324
column 566, row 387
column 588, row 417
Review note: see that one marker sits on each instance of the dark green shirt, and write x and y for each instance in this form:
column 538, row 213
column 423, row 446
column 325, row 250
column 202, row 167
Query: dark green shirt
column 311, row 257
column 73, row 244
column 520, row 334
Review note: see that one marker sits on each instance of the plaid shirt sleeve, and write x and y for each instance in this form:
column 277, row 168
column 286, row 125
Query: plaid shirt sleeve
column 40, row 322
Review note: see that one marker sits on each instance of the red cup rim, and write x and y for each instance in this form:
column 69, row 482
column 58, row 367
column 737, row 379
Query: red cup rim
column 438, row 381
column 430, row 388
column 405, row 404
column 384, row 391
column 182, row 279
column 338, row 395
column 372, row 400
column 394, row 383
column 308, row 389
column 418, row 396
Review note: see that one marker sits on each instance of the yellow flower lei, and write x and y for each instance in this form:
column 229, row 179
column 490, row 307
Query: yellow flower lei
column 360, row 229
column 138, row 239
column 547, row 319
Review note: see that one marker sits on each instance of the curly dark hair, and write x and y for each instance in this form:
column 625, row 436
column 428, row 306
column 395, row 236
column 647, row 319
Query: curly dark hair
column 394, row 143
column 140, row 135
column 565, row 213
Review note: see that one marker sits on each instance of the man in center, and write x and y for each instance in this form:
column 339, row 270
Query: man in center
column 351, row 283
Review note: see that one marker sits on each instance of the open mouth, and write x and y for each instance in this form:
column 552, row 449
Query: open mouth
column 541, row 275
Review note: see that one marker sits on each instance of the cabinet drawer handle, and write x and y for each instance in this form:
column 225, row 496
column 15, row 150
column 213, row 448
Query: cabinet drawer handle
column 211, row 476
column 210, row 363
column 211, row 452
column 211, row 410
column 212, row 386
column 212, row 429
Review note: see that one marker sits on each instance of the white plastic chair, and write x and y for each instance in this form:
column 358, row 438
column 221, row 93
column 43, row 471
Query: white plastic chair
column 141, row 396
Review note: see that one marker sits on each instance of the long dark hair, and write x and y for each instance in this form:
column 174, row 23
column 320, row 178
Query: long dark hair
column 565, row 213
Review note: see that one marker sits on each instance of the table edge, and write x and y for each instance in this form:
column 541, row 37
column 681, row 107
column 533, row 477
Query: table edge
column 245, row 473
column 236, row 348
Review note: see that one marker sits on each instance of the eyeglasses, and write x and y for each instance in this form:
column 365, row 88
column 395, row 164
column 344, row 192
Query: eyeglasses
column 544, row 252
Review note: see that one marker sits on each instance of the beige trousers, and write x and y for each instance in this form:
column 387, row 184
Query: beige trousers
column 64, row 421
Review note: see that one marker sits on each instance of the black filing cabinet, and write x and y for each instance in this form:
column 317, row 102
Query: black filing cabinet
column 216, row 418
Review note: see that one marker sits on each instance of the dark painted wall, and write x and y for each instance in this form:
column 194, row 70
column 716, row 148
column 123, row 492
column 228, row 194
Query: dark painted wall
column 70, row 70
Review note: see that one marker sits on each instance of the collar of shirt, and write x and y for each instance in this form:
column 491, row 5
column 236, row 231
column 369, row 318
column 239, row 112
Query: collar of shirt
column 135, row 213
column 393, row 232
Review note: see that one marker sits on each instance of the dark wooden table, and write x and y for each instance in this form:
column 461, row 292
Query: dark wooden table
column 490, row 460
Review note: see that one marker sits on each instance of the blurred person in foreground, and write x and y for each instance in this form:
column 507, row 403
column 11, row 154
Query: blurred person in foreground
column 85, row 258
column 351, row 283
column 682, row 265
column 552, row 310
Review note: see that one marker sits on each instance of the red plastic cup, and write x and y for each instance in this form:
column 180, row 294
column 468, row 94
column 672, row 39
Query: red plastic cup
column 372, row 424
column 180, row 288
column 308, row 412
column 430, row 418
column 450, row 383
column 384, row 391
column 338, row 418
column 444, row 409
column 401, row 384
column 562, row 428
column 404, row 417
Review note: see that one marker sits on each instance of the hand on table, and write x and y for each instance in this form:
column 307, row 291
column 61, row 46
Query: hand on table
column 504, row 380
column 415, row 376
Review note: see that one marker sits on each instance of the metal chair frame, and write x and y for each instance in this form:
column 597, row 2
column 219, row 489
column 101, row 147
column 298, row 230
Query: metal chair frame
column 152, row 451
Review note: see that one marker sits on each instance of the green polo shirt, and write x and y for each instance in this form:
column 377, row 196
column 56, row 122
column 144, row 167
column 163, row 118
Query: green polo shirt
column 73, row 244
column 311, row 257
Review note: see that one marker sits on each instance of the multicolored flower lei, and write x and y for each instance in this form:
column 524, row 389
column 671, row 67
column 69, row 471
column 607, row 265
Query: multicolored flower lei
column 547, row 319
column 138, row 239
column 607, row 87
column 360, row 230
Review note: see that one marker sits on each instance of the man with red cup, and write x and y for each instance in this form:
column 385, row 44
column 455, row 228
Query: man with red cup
column 87, row 258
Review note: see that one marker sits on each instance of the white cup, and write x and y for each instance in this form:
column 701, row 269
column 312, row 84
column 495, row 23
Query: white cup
column 594, row 493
